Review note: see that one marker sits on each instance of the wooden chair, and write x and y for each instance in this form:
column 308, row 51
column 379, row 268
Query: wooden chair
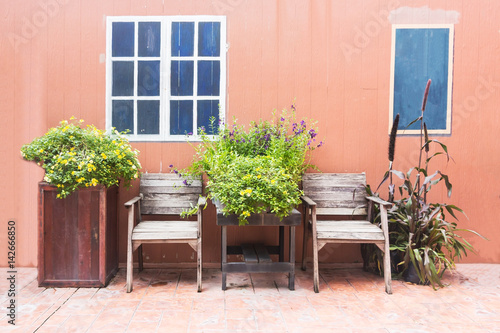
column 342, row 196
column 164, row 194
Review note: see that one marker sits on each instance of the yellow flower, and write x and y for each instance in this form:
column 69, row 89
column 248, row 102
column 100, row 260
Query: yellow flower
column 73, row 172
column 258, row 177
column 41, row 150
column 273, row 181
column 103, row 155
column 242, row 192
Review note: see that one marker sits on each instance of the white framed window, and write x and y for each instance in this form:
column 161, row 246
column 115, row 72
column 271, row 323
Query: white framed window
column 165, row 75
column 421, row 52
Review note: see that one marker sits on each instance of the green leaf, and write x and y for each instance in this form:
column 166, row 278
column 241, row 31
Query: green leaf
column 447, row 182
column 413, row 122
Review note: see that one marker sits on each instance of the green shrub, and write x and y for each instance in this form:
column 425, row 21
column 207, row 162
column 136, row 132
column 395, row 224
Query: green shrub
column 76, row 156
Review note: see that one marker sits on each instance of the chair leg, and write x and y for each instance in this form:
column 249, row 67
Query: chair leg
column 304, row 246
column 199, row 265
column 387, row 269
column 316, row 265
column 130, row 267
column 140, row 259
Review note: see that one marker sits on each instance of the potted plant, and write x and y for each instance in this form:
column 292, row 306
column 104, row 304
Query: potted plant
column 424, row 235
column 83, row 165
column 255, row 170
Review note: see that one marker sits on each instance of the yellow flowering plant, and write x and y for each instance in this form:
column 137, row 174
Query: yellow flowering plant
column 76, row 156
column 256, row 170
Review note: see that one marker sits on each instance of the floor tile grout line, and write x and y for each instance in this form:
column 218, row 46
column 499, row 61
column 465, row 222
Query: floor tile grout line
column 33, row 323
column 57, row 309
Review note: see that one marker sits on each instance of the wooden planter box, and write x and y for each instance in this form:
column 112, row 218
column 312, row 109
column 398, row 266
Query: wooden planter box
column 77, row 237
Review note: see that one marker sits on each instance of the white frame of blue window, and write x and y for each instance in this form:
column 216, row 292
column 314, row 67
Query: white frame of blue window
column 165, row 59
column 451, row 27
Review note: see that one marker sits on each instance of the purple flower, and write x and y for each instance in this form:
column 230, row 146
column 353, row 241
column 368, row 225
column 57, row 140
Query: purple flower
column 282, row 119
column 171, row 166
column 176, row 172
column 185, row 182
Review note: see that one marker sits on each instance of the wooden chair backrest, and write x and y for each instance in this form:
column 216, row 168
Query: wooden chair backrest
column 166, row 194
column 336, row 193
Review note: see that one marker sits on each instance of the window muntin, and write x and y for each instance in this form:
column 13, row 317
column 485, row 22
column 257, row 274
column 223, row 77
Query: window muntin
column 166, row 76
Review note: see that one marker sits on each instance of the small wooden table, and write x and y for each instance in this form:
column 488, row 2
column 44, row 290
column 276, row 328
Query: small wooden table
column 256, row 257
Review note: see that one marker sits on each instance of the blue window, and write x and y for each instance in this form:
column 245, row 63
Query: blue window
column 165, row 76
column 420, row 53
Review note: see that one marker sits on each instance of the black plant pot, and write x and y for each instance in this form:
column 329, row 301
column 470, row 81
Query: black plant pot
column 411, row 275
column 396, row 258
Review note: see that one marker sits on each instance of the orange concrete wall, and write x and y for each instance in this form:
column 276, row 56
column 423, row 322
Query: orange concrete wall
column 333, row 57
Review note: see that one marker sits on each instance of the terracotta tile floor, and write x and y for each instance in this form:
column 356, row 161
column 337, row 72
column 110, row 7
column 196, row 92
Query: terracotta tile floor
column 350, row 300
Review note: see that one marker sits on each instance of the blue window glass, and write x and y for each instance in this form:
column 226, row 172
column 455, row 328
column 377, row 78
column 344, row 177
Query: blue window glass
column 206, row 111
column 149, row 39
column 148, row 78
column 123, row 115
column 181, row 78
column 421, row 54
column 148, row 117
column 209, row 39
column 181, row 117
column 122, row 43
column 208, row 78
column 182, row 39
column 123, row 78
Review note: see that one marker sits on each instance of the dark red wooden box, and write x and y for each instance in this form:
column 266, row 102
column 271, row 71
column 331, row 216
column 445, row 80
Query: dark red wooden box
column 77, row 237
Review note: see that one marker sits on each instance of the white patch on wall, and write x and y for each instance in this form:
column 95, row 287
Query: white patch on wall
column 423, row 15
column 102, row 58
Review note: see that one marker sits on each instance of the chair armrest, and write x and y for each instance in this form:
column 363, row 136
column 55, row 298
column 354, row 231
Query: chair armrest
column 133, row 201
column 202, row 201
column 308, row 201
column 380, row 201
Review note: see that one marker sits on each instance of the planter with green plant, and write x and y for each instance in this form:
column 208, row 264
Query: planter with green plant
column 256, row 170
column 83, row 165
column 422, row 232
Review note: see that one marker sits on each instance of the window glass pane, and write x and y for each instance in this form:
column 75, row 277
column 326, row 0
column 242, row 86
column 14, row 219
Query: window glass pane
column 207, row 110
column 123, row 116
column 182, row 39
column 421, row 54
column 181, row 117
column 123, row 78
column 148, row 117
column 208, row 78
column 122, row 44
column 209, row 39
column 149, row 39
column 181, row 78
column 148, row 78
